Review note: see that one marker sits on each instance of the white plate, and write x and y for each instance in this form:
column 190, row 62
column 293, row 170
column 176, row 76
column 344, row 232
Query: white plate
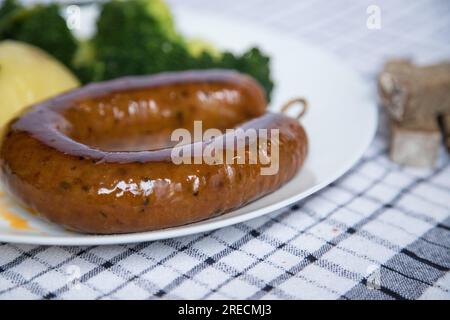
column 341, row 123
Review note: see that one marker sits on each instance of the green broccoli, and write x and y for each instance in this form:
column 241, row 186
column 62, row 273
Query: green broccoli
column 8, row 7
column 133, row 37
column 198, row 46
column 40, row 25
column 160, row 11
column 256, row 64
column 147, row 42
column 142, row 44
column 85, row 64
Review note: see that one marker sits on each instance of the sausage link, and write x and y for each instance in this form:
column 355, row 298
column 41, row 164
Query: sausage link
column 80, row 159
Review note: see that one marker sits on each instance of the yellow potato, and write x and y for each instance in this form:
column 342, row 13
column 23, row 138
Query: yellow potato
column 29, row 75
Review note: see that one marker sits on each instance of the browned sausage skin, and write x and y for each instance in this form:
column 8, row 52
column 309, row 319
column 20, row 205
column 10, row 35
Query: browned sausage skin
column 98, row 159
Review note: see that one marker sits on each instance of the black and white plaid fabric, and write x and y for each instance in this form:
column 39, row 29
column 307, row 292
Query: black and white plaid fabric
column 380, row 232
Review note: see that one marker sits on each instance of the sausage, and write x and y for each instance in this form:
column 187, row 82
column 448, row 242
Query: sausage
column 99, row 159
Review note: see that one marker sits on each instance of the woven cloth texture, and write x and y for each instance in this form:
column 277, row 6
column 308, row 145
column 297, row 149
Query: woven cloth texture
column 382, row 231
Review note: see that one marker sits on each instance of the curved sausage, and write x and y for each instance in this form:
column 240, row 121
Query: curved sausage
column 99, row 159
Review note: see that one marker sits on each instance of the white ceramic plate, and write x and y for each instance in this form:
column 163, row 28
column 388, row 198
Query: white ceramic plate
column 341, row 123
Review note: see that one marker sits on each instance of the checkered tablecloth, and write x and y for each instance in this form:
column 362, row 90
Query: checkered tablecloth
column 381, row 231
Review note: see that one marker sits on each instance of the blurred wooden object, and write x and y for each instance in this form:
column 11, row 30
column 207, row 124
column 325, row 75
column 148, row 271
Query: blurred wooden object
column 446, row 127
column 415, row 97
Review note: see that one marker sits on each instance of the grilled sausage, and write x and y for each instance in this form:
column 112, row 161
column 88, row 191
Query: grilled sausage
column 99, row 159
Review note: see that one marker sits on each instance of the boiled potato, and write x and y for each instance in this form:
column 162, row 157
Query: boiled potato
column 28, row 75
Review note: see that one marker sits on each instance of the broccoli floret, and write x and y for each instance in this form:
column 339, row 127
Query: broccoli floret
column 133, row 37
column 147, row 42
column 40, row 25
column 85, row 64
column 141, row 45
column 256, row 64
column 8, row 7
column 160, row 11
column 197, row 47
